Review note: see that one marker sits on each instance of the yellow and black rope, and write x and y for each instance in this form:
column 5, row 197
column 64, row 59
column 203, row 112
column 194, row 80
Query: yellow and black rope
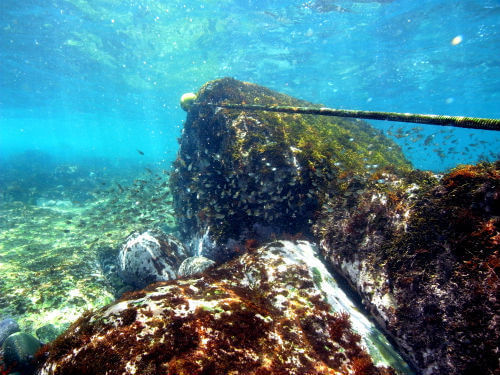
column 456, row 121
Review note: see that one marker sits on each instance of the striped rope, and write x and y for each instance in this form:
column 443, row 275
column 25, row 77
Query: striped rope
column 456, row 121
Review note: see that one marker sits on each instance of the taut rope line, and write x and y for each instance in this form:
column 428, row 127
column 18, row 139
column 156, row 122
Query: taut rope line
column 456, row 121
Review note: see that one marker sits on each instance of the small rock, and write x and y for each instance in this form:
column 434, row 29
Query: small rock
column 194, row 265
column 8, row 326
column 19, row 350
column 47, row 333
column 150, row 257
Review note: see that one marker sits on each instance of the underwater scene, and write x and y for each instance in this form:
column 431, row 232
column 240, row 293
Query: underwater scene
column 249, row 187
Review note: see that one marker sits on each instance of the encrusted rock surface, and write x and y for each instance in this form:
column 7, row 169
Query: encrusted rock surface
column 423, row 252
column 245, row 175
column 193, row 265
column 8, row 326
column 18, row 352
column 149, row 257
column 261, row 313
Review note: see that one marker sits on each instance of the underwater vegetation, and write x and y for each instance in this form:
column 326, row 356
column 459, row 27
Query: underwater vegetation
column 420, row 249
column 242, row 318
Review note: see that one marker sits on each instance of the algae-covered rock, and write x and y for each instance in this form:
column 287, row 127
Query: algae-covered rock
column 48, row 333
column 423, row 253
column 261, row 313
column 19, row 350
column 8, row 326
column 253, row 174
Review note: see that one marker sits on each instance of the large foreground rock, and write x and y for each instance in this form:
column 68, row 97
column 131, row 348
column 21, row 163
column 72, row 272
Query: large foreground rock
column 245, row 175
column 424, row 255
column 267, row 312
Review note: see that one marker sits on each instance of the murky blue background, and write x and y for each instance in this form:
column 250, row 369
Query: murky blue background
column 102, row 79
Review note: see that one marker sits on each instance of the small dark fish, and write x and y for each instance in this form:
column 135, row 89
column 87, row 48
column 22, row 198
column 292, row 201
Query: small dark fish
column 149, row 170
column 429, row 139
column 140, row 152
column 120, row 187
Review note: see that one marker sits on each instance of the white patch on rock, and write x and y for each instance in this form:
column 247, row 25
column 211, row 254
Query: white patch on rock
column 116, row 309
column 373, row 340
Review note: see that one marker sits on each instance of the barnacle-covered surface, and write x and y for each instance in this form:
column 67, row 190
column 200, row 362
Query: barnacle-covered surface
column 261, row 313
column 422, row 251
column 242, row 174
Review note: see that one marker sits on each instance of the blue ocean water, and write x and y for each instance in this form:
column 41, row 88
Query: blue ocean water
column 103, row 78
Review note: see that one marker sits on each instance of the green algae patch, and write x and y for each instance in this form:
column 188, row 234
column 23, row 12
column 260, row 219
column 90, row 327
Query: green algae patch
column 344, row 143
column 317, row 277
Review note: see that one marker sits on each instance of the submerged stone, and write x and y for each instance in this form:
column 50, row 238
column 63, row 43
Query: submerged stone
column 423, row 253
column 19, row 350
column 261, row 313
column 193, row 265
column 149, row 257
column 243, row 175
column 47, row 333
column 8, row 326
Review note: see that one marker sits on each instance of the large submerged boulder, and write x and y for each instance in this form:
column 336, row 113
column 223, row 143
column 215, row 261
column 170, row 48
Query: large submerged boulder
column 423, row 253
column 274, row 310
column 246, row 175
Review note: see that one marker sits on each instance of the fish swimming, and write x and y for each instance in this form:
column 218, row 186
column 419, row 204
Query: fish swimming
column 327, row 6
